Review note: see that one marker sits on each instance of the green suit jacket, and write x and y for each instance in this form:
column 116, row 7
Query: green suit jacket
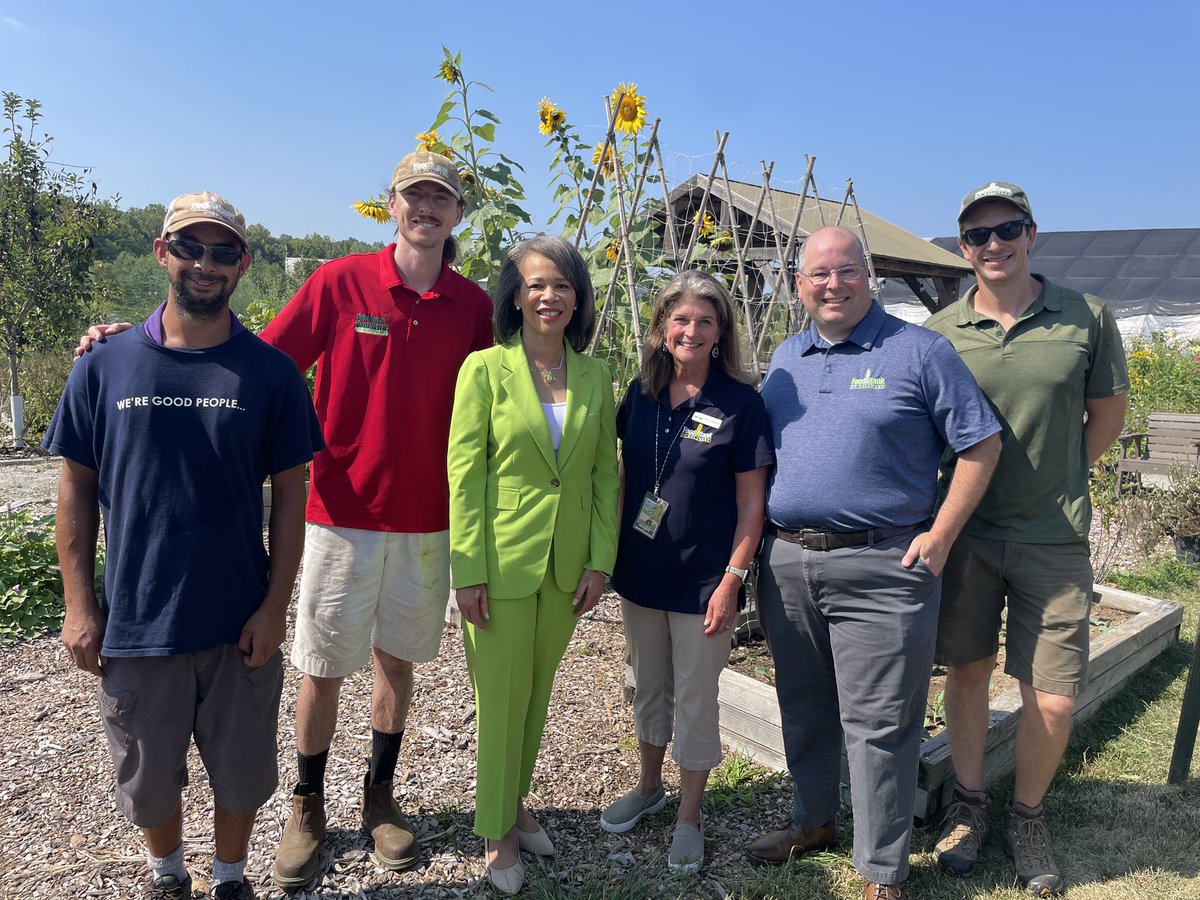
column 511, row 498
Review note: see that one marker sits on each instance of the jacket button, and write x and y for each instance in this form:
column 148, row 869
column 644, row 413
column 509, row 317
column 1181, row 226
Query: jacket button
column 554, row 483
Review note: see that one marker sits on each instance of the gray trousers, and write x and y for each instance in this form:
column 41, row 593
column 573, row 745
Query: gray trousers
column 852, row 634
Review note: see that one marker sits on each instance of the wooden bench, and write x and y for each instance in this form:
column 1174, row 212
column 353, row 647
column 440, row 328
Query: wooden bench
column 1170, row 440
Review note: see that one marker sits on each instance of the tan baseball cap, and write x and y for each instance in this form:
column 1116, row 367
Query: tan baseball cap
column 192, row 209
column 996, row 190
column 422, row 165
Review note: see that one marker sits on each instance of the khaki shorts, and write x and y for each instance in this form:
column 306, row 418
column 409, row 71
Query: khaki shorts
column 1048, row 589
column 152, row 707
column 676, row 668
column 360, row 589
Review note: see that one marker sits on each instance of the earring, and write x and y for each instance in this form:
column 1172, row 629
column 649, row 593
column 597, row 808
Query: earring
column 715, row 351
column 664, row 349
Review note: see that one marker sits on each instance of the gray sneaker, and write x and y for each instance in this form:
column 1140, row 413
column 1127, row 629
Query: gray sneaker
column 963, row 830
column 1028, row 842
column 687, row 849
column 627, row 811
column 168, row 887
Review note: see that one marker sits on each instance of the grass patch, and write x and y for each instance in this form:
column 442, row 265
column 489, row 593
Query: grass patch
column 737, row 781
column 1119, row 831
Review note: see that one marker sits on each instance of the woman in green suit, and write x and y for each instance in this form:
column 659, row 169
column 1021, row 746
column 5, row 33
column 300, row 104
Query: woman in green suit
column 533, row 505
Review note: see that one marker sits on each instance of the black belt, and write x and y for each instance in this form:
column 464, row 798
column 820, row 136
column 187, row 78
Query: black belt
column 812, row 539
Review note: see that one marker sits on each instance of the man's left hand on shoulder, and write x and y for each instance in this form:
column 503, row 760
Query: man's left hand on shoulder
column 930, row 549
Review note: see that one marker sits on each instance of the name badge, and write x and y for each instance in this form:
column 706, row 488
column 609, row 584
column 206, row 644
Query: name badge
column 650, row 516
column 705, row 419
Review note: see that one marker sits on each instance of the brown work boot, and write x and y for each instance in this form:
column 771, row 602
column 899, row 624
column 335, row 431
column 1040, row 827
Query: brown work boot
column 1028, row 841
column 297, row 860
column 395, row 844
column 777, row 847
column 873, row 891
column 963, row 830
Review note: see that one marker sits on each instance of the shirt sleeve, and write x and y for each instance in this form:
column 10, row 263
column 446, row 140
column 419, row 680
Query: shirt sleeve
column 754, row 446
column 1108, row 376
column 960, row 412
column 72, row 429
column 294, row 434
column 625, row 410
column 302, row 327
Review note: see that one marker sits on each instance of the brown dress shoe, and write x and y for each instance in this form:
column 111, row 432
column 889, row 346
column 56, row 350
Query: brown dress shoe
column 297, row 859
column 395, row 844
column 778, row 847
column 873, row 891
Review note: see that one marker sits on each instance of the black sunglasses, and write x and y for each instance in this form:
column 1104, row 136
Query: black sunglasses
column 182, row 248
column 1006, row 231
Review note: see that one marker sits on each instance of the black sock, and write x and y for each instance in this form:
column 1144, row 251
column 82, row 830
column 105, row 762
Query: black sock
column 311, row 772
column 385, row 750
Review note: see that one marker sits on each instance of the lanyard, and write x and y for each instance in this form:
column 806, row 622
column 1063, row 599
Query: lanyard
column 662, row 468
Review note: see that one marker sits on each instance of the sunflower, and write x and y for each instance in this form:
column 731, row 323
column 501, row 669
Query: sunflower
column 611, row 252
column 466, row 176
column 609, row 159
column 706, row 225
column 551, row 117
column 448, row 72
column 427, row 141
column 372, row 209
column 630, row 107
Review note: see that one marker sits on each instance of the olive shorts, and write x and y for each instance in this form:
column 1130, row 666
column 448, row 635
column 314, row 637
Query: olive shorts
column 1048, row 591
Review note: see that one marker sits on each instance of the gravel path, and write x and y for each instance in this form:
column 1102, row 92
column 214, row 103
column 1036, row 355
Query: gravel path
column 64, row 837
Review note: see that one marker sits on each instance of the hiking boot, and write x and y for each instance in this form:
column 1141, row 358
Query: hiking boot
column 395, row 844
column 777, row 847
column 234, row 890
column 873, row 891
column 1028, row 842
column 297, row 859
column 963, row 830
column 168, row 887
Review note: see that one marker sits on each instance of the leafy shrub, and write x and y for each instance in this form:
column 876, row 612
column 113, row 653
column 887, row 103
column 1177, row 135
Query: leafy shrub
column 43, row 377
column 1164, row 376
column 31, row 592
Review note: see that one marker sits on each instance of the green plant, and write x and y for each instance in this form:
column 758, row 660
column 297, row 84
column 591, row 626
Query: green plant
column 31, row 593
column 1173, row 511
column 935, row 711
column 1164, row 376
column 43, row 377
column 737, row 781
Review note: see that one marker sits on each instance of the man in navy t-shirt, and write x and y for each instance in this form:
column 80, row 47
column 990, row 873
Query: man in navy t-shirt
column 170, row 429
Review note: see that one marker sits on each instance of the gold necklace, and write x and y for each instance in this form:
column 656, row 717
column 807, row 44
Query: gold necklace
column 548, row 374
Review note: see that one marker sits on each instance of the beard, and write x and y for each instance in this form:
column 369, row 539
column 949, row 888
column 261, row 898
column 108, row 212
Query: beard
column 200, row 308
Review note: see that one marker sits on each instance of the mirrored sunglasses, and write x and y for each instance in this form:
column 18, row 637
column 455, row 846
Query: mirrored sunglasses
column 182, row 248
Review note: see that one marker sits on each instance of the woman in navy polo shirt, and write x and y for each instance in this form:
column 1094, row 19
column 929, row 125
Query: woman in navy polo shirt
column 696, row 449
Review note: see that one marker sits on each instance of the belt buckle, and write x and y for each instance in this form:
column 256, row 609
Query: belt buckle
column 813, row 539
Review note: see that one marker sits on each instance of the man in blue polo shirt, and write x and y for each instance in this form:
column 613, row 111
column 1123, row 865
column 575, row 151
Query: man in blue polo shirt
column 861, row 405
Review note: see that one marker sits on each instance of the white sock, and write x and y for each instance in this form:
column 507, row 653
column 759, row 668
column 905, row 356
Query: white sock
column 171, row 864
column 223, row 871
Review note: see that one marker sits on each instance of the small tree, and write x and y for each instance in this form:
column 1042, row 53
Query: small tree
column 49, row 217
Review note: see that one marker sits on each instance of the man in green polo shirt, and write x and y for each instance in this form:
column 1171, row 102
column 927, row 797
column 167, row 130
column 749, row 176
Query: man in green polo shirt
column 1050, row 361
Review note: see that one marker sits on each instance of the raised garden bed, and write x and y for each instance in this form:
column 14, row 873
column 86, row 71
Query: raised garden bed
column 750, row 719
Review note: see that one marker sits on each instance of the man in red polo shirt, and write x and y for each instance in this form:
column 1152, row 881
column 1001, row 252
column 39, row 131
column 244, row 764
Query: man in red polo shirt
column 388, row 332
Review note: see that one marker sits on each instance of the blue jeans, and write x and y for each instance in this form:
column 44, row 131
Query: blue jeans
column 852, row 634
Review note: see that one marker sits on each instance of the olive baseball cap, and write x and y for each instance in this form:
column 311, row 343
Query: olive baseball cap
column 996, row 190
column 422, row 165
column 192, row 209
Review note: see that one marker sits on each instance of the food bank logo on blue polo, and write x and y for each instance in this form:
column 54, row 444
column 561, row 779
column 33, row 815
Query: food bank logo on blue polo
column 867, row 383
column 365, row 324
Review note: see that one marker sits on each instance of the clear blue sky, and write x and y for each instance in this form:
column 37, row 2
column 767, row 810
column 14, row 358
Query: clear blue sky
column 294, row 110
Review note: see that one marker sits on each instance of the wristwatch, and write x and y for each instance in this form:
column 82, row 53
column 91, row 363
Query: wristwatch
column 740, row 573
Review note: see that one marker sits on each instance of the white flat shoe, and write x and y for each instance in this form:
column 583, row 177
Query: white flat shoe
column 535, row 841
column 508, row 880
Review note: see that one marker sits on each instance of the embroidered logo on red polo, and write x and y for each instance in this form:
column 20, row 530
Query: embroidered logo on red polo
column 365, row 324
